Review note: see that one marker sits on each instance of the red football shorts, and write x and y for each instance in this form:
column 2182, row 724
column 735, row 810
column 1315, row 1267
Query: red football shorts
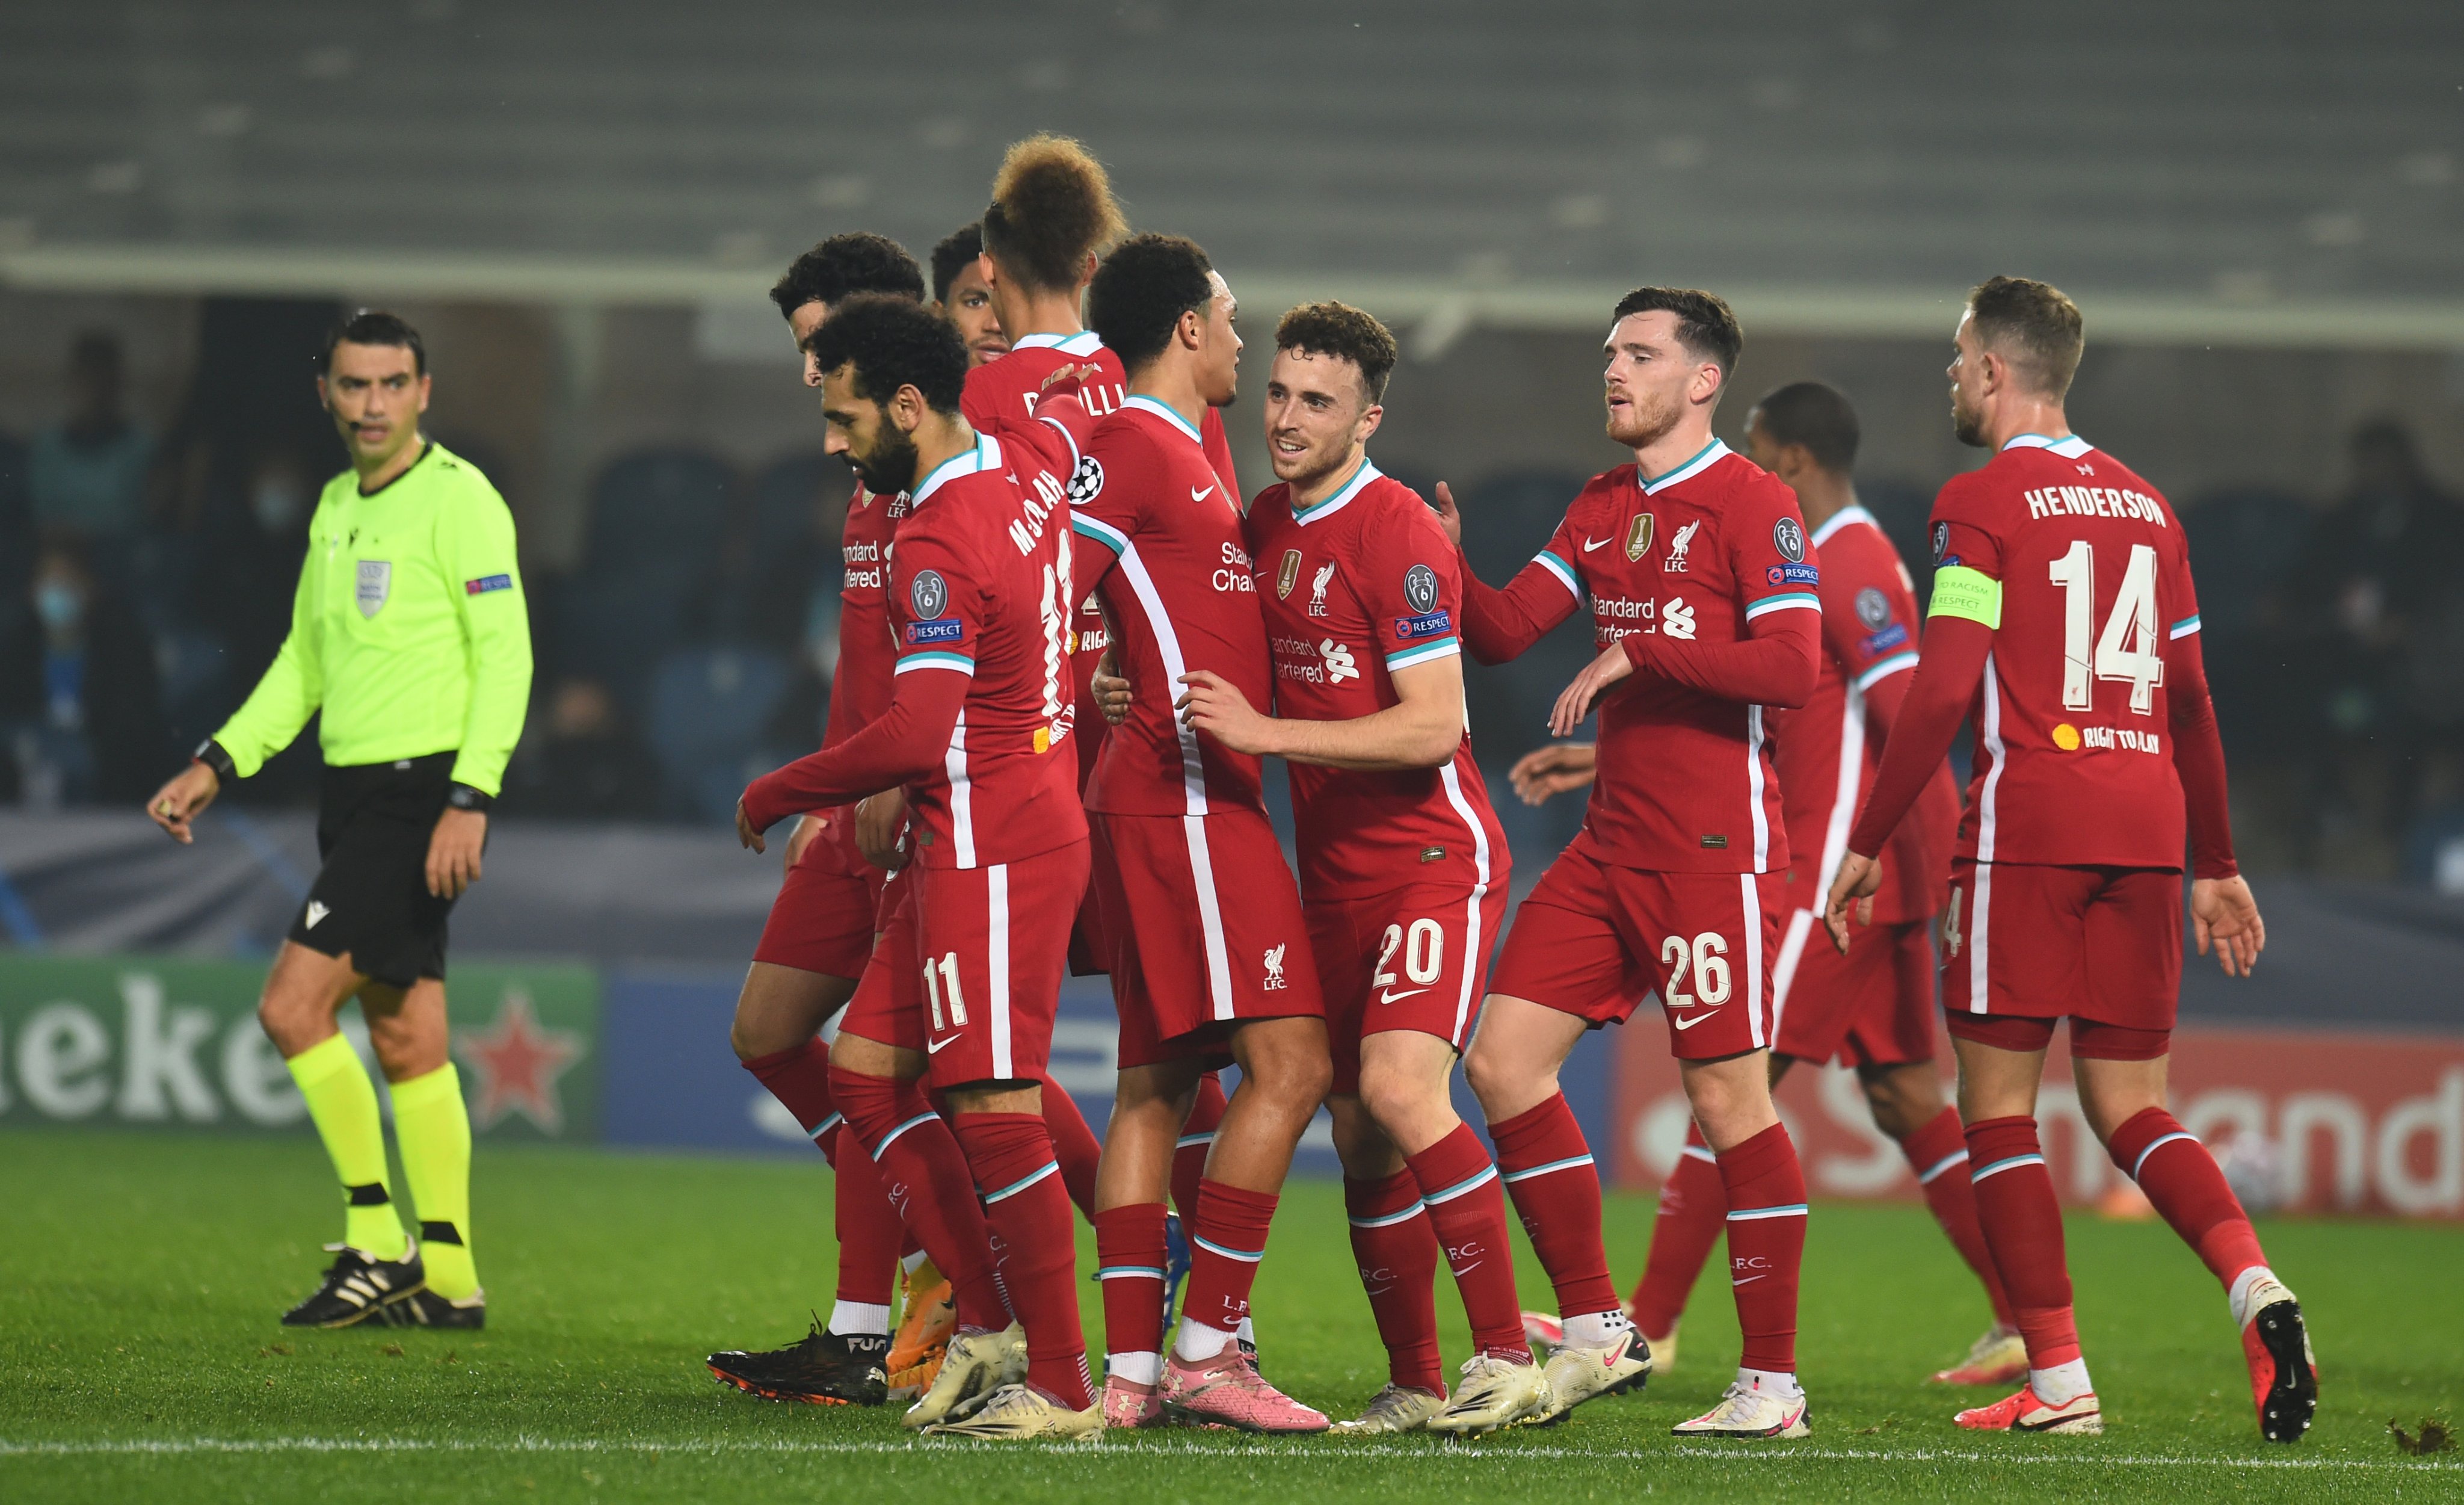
column 823, row 918
column 1874, row 1006
column 993, row 946
column 888, row 1007
column 1202, row 914
column 2100, row 945
column 1413, row 959
column 1592, row 939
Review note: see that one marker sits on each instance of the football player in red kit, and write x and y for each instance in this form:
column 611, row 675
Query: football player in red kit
column 1200, row 911
column 821, row 927
column 1403, row 868
column 1874, row 1007
column 977, row 732
column 1703, row 591
column 1052, row 216
column 2065, row 627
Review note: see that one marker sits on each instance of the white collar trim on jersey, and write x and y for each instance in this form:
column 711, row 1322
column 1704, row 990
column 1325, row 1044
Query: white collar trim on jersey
column 1711, row 456
column 1854, row 512
column 1164, row 411
column 1367, row 473
column 1086, row 342
column 986, row 455
column 2069, row 446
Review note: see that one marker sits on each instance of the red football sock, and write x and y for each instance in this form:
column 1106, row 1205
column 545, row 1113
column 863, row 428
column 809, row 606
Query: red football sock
column 1938, row 1153
column 1398, row 1268
column 2188, row 1190
column 868, row 1232
column 924, row 1176
column 799, row 1078
column 1693, row 1209
column 1766, row 1224
column 1467, row 1212
column 1011, row 1155
column 1075, row 1146
column 2023, row 1227
column 1548, row 1169
column 1226, row 1240
column 1130, row 1265
column 1197, row 1139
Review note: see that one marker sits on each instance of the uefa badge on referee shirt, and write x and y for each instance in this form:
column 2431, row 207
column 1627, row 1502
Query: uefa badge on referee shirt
column 376, row 583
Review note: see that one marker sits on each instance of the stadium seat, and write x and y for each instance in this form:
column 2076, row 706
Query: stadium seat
column 2242, row 542
column 708, row 709
column 659, row 511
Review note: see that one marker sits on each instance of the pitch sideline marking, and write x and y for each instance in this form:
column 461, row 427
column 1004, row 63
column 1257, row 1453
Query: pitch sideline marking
column 193, row 1446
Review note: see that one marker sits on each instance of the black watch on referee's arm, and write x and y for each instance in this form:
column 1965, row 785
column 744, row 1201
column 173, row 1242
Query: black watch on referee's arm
column 210, row 752
column 463, row 797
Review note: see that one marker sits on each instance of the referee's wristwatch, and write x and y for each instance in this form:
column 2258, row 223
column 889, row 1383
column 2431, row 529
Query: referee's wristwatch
column 210, row 752
column 463, row 797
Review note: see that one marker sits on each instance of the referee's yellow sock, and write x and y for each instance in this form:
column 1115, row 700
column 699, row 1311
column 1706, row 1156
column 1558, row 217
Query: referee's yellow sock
column 343, row 1103
column 435, row 1131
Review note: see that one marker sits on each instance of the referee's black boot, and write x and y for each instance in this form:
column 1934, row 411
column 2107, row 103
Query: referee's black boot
column 358, row 1287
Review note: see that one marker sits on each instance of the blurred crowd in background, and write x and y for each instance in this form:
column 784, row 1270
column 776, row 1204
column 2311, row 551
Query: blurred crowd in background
column 147, row 580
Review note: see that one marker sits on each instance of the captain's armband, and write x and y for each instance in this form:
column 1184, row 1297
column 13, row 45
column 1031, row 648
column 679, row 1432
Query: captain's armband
column 1964, row 592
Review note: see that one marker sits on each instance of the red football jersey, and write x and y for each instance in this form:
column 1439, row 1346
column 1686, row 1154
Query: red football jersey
column 2072, row 764
column 1360, row 584
column 1008, row 389
column 1827, row 750
column 1685, row 781
column 980, row 584
column 860, row 683
column 1160, row 541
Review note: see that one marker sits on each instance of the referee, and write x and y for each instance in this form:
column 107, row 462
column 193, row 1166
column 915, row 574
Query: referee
column 409, row 632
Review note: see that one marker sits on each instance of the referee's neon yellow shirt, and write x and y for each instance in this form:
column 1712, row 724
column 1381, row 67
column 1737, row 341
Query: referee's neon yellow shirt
column 410, row 630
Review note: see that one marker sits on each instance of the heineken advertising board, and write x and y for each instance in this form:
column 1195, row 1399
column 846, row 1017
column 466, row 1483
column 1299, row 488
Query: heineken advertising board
column 174, row 1044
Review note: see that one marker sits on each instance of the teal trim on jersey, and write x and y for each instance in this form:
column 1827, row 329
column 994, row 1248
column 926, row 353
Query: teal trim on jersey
column 1887, row 668
column 1793, row 601
column 1854, row 512
column 985, row 455
column 1162, row 410
column 1405, row 658
column 1367, row 473
column 1104, row 532
column 1558, row 567
column 2069, row 446
column 957, row 661
column 1709, row 456
column 1086, row 342
column 2185, row 626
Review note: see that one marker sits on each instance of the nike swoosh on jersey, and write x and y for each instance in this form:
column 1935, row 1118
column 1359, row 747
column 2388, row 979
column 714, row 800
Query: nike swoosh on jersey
column 934, row 1046
column 1684, row 1025
column 315, row 913
column 1749, row 1280
column 1196, row 494
column 1590, row 544
column 1390, row 995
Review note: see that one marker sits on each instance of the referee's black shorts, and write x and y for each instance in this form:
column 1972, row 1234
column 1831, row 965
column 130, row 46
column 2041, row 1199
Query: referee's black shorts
column 370, row 900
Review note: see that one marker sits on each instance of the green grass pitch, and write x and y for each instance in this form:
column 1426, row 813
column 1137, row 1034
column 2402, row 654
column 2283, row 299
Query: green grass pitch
column 141, row 1277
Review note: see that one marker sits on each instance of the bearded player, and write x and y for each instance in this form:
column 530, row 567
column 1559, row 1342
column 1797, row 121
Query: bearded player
column 1695, row 565
column 961, row 295
column 977, row 732
column 2065, row 626
column 1873, row 1008
column 1403, row 867
column 1200, row 913
column 820, row 933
